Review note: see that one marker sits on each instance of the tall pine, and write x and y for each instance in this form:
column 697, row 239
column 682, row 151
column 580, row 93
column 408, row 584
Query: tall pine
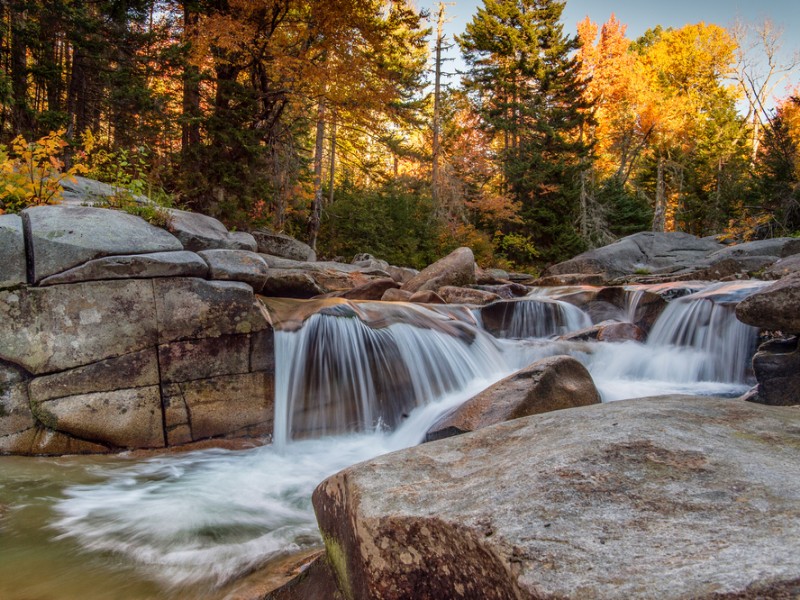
column 524, row 80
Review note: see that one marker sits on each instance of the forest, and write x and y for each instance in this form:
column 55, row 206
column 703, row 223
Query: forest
column 331, row 121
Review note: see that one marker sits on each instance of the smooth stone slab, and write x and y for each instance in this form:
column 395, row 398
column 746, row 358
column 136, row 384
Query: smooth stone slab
column 237, row 265
column 63, row 237
column 201, row 232
column 137, row 369
column 670, row 498
column 181, row 263
column 189, row 308
column 60, row 327
column 128, row 418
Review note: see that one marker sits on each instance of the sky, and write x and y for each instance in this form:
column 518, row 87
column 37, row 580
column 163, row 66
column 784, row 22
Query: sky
column 641, row 15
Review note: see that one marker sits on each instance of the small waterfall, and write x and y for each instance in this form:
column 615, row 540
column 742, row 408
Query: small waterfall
column 632, row 299
column 342, row 372
column 532, row 317
column 706, row 322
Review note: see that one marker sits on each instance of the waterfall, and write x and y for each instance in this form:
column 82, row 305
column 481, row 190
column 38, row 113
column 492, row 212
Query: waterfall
column 706, row 323
column 532, row 317
column 344, row 372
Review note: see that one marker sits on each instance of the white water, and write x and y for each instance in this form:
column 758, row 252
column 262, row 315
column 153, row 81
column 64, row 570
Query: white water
column 212, row 516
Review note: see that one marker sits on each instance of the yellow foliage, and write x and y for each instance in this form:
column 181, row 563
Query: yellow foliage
column 31, row 172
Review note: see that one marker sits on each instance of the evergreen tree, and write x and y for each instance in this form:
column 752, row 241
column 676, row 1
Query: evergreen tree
column 524, row 79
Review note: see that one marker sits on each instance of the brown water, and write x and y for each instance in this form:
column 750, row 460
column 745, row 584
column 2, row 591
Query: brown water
column 36, row 565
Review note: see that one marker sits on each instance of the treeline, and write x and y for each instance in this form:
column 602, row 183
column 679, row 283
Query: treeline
column 320, row 119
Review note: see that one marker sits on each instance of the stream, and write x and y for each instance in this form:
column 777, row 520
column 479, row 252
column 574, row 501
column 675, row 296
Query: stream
column 352, row 383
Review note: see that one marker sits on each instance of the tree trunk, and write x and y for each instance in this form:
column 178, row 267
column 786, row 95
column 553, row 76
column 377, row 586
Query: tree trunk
column 20, row 113
column 437, row 92
column 332, row 170
column 316, row 204
column 190, row 127
column 660, row 212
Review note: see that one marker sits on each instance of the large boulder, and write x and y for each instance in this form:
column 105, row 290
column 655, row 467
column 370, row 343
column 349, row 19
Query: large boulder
column 134, row 266
column 237, row 265
column 189, row 308
column 461, row 295
column 60, row 327
column 777, row 369
column 672, row 497
column 643, row 252
column 550, row 384
column 62, row 237
column 279, row 244
column 12, row 252
column 201, row 232
column 290, row 283
column 775, row 307
column 457, row 268
column 82, row 191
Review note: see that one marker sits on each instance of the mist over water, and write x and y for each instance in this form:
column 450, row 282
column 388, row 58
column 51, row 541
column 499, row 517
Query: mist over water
column 348, row 389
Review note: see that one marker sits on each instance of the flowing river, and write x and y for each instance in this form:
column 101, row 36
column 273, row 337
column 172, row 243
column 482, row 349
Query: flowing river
column 352, row 383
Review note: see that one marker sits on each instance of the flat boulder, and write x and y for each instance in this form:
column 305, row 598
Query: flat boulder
column 643, row 252
column 82, row 191
column 672, row 497
column 12, row 252
column 460, row 295
column 285, row 246
column 372, row 290
column 457, row 268
column 63, row 237
column 291, row 283
column 783, row 267
column 201, row 232
column 775, row 307
column 550, row 384
column 236, row 265
column 180, row 263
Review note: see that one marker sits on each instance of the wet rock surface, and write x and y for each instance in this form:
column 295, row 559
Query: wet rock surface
column 671, row 497
column 550, row 384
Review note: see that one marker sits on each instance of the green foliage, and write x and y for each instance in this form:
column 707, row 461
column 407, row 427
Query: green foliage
column 626, row 211
column 395, row 222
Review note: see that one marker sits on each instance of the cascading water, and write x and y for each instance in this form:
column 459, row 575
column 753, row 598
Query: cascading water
column 338, row 374
column 706, row 322
column 195, row 521
column 532, row 317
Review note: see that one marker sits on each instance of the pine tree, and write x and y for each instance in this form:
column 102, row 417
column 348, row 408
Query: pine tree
column 525, row 81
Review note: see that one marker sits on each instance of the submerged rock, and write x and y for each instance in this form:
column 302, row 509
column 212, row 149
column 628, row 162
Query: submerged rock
column 672, row 497
column 550, row 384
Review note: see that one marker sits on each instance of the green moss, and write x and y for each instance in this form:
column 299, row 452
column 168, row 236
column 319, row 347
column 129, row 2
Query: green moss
column 338, row 561
column 44, row 416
